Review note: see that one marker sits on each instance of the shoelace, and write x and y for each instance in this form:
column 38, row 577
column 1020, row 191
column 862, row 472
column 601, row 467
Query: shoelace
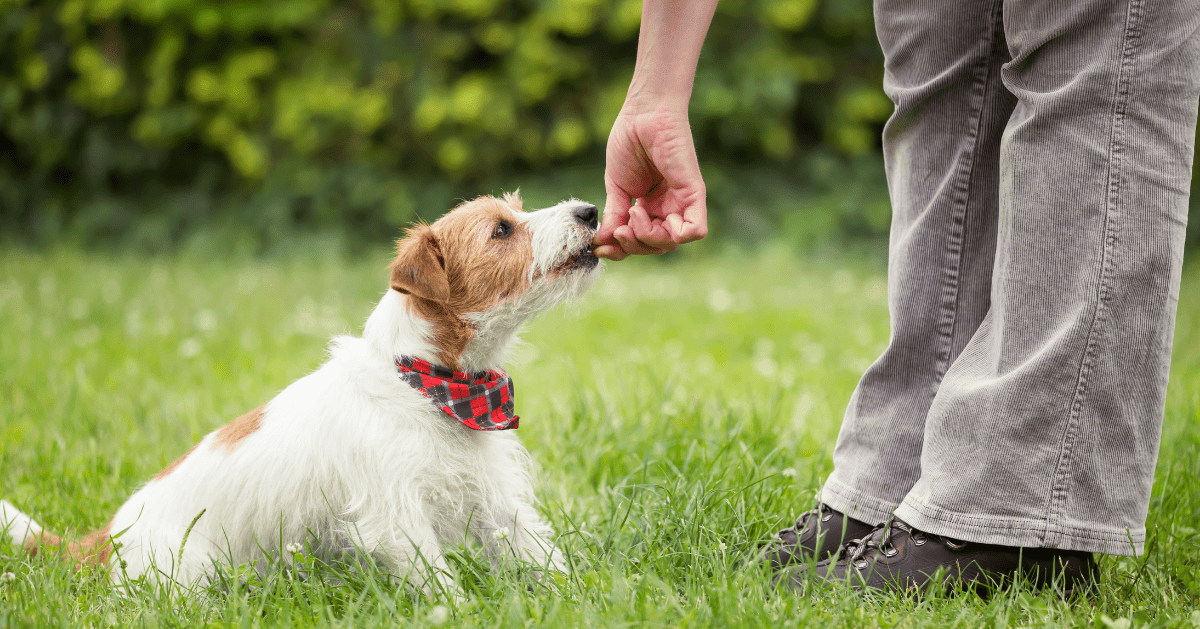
column 821, row 510
column 880, row 539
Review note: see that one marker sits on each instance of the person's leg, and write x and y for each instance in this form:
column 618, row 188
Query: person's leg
column 941, row 149
column 1044, row 432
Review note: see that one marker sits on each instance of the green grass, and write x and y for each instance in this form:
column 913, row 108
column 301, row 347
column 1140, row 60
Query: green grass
column 680, row 414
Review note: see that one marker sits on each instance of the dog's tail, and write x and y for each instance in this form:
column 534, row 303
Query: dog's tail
column 22, row 529
column 93, row 549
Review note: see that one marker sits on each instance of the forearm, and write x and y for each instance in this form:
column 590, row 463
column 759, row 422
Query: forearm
column 669, row 43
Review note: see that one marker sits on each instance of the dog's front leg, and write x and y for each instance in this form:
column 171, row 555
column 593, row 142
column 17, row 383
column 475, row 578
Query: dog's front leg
column 414, row 556
column 522, row 534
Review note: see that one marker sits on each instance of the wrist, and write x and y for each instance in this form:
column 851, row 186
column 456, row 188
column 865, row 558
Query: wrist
column 646, row 97
column 650, row 100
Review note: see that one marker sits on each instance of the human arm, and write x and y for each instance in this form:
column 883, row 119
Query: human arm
column 651, row 157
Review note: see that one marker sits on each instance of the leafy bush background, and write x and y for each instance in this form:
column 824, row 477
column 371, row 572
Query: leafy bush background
column 140, row 120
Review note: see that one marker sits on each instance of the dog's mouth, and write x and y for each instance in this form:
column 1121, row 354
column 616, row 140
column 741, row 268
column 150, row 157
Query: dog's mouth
column 582, row 260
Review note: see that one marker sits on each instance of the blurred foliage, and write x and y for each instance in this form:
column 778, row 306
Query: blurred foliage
column 145, row 118
column 141, row 119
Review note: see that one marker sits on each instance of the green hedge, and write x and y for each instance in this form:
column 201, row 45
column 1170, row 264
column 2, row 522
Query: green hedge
column 153, row 116
column 147, row 118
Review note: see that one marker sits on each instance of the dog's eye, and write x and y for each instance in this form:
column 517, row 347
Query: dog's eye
column 503, row 230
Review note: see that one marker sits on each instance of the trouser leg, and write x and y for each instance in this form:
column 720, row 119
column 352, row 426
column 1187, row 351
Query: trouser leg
column 1044, row 431
column 941, row 150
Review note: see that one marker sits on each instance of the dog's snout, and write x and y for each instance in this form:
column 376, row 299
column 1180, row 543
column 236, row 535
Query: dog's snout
column 586, row 216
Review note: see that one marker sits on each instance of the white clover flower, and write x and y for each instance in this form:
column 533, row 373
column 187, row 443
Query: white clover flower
column 788, row 473
column 501, row 533
column 439, row 615
column 7, row 577
column 294, row 548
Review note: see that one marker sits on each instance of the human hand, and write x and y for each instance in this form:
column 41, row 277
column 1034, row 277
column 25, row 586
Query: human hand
column 651, row 158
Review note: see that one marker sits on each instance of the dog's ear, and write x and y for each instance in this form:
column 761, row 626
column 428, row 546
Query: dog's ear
column 419, row 268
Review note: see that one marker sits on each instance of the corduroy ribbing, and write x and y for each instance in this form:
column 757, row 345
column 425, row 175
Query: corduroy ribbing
column 1039, row 163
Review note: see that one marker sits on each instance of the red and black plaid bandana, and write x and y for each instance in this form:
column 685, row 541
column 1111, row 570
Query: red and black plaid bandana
column 481, row 400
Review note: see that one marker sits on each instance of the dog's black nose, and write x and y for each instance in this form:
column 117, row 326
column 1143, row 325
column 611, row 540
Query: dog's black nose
column 586, row 215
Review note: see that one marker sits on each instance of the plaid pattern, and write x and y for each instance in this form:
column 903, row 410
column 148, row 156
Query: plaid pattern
column 481, row 400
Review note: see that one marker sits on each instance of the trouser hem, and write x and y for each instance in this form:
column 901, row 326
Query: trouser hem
column 1024, row 532
column 854, row 503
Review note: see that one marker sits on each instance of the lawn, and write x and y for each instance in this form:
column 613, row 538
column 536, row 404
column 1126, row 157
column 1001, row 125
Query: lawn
column 680, row 413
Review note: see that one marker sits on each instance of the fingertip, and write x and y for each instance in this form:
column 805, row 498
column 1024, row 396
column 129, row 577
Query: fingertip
column 660, row 245
column 624, row 237
column 638, row 213
column 635, row 246
column 601, row 239
column 695, row 219
column 655, row 233
column 610, row 252
column 674, row 226
column 683, row 230
column 691, row 233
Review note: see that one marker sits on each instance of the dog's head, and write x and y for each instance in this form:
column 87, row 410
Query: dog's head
column 486, row 266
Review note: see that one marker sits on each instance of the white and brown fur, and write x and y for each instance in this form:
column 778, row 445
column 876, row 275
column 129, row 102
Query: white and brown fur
column 349, row 459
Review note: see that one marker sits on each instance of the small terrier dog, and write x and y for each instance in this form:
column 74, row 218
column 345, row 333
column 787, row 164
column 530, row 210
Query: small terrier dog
column 395, row 447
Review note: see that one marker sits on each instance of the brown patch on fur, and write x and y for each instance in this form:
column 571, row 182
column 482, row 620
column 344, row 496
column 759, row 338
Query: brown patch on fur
column 94, row 549
column 174, row 464
column 230, row 435
column 478, row 271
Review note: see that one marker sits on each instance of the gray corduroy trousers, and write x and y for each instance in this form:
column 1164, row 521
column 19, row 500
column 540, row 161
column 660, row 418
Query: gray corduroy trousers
column 1038, row 161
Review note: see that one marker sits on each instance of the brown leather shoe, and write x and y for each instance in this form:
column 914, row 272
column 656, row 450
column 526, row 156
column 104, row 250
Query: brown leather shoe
column 818, row 534
column 897, row 557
